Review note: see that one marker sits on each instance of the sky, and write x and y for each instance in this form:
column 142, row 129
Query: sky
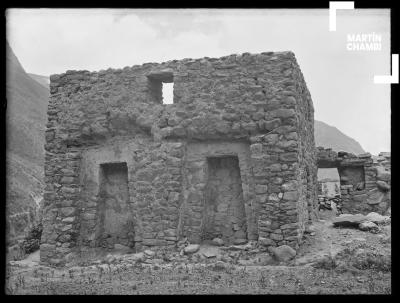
column 51, row 41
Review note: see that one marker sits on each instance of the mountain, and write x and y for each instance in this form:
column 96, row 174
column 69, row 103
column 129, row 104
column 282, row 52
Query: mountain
column 45, row 81
column 25, row 124
column 329, row 136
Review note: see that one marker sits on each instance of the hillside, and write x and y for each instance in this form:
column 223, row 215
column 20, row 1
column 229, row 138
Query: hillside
column 25, row 124
column 330, row 136
column 43, row 80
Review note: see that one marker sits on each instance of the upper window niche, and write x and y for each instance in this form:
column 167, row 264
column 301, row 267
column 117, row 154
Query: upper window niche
column 161, row 86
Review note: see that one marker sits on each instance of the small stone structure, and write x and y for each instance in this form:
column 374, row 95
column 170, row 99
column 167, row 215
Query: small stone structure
column 233, row 157
column 364, row 181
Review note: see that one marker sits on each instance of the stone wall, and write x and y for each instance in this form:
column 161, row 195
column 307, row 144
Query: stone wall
column 200, row 180
column 364, row 182
column 256, row 106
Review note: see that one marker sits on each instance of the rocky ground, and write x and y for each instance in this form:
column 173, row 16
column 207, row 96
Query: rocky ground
column 330, row 261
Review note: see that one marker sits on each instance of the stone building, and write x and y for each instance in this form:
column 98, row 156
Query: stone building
column 233, row 157
column 364, row 181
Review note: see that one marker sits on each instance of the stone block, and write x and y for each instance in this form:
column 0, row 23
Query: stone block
column 289, row 157
column 283, row 113
column 265, row 241
column 276, row 237
column 382, row 185
column 291, row 195
column 192, row 248
column 256, row 149
column 67, row 211
column 283, row 252
column 69, row 219
column 261, row 189
column 289, row 186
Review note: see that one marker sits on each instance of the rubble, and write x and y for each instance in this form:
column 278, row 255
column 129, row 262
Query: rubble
column 330, row 203
column 377, row 218
column 218, row 242
column 369, row 222
column 348, row 220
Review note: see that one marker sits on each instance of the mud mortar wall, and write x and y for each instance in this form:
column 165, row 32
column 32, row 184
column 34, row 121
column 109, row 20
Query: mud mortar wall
column 260, row 100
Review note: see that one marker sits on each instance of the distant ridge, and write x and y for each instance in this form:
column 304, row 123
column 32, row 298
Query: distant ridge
column 43, row 80
column 330, row 137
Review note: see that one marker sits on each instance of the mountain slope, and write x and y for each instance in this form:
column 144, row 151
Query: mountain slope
column 43, row 80
column 25, row 125
column 329, row 136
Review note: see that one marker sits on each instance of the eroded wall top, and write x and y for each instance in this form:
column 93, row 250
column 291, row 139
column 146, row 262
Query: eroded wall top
column 232, row 97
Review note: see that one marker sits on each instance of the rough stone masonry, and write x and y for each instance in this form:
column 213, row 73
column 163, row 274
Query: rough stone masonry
column 365, row 183
column 233, row 157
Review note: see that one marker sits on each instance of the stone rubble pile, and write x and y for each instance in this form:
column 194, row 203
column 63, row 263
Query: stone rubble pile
column 330, row 203
column 369, row 222
column 249, row 254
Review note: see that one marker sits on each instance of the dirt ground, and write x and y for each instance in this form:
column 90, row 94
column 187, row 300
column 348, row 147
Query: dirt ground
column 330, row 261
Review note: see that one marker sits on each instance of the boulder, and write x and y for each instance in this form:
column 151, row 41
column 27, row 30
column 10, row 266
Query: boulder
column 209, row 251
column 237, row 247
column 264, row 259
column 309, row 229
column 191, row 248
column 382, row 185
column 382, row 174
column 283, row 253
column 364, row 155
column 218, row 242
column 265, row 241
column 375, row 196
column 377, row 218
column 239, row 241
column 368, row 226
column 137, row 257
column 149, row 253
column 110, row 259
column 348, row 220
